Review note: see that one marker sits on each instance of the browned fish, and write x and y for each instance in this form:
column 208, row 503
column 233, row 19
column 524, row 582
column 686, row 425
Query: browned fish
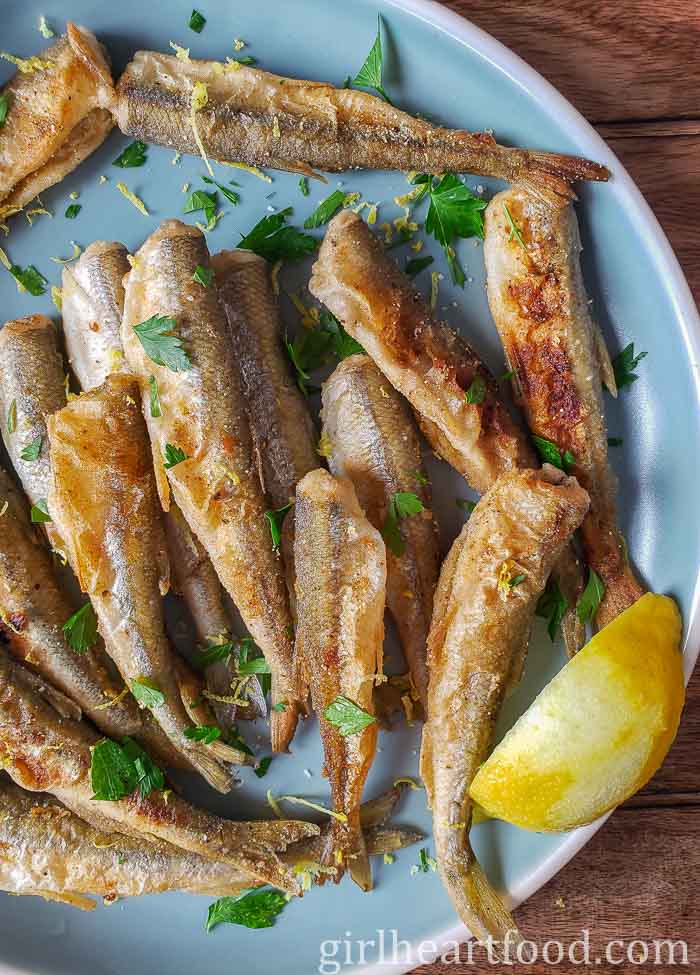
column 484, row 608
column 103, row 498
column 203, row 415
column 56, row 117
column 44, row 747
column 283, row 432
column 433, row 367
column 261, row 119
column 341, row 582
column 373, row 440
column 540, row 307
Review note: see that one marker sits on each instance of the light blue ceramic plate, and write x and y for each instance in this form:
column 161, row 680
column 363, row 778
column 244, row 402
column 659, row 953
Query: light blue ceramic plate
column 440, row 65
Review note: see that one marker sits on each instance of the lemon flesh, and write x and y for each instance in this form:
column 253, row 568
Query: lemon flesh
column 598, row 731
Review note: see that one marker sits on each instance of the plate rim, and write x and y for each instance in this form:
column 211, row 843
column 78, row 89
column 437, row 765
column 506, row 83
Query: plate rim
column 465, row 32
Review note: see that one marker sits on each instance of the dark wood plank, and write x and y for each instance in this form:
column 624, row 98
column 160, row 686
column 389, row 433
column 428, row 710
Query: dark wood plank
column 637, row 879
column 634, row 59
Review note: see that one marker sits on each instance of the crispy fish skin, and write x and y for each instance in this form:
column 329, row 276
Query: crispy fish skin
column 217, row 488
column 262, row 119
column 93, row 305
column 374, row 442
column 283, row 432
column 433, row 367
column 103, row 498
column 34, row 610
column 56, row 117
column 45, row 748
column 519, row 527
column 539, row 304
column 341, row 583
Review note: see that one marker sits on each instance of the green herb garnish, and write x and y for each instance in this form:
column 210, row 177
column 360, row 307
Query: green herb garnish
column 552, row 606
column 161, row 345
column 403, row 504
column 417, row 264
column 551, row 454
column 465, row 505
column 342, row 344
column 274, row 520
column 197, row 22
column 4, row 108
column 112, row 774
column 624, row 365
column 280, row 706
column 39, row 513
column 506, row 376
column 477, row 391
column 134, row 155
column 156, row 410
column 516, row 580
column 257, row 665
column 11, row 421
column 31, row 452
column 325, row 210
column 232, row 197
column 201, row 200
column 304, row 186
column 251, row 908
column 454, row 212
column 206, row 733
column 515, row 232
column 272, row 239
column 349, row 718
column 262, row 766
column 308, row 351
column 370, row 74
column 590, row 598
column 148, row 775
column 72, row 211
column 147, row 692
column 80, row 630
column 173, row 456
column 615, row 441
column 203, row 275
column 29, row 279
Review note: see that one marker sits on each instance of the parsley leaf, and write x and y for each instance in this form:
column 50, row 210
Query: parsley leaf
column 349, row 718
column 201, row 200
column 173, row 456
column 258, row 665
column 251, row 908
column 32, row 450
column 552, row 606
column 161, row 345
column 148, row 775
column 477, row 391
column 342, row 344
column 263, row 765
column 214, row 652
column 112, row 774
column 615, row 441
column 80, row 630
column 203, row 276
column 624, row 365
column 29, row 279
column 134, row 155
column 590, row 598
column 4, row 108
column 197, row 22
column 370, row 74
column 516, row 580
column 416, row 265
column 304, row 186
column 156, row 410
column 147, row 692
column 325, row 210
column 551, row 454
column 72, row 211
column 273, row 240
column 454, row 212
column 465, row 505
column 39, row 513
column 309, row 351
column 403, row 504
column 275, row 519
column 206, row 733
column 232, row 197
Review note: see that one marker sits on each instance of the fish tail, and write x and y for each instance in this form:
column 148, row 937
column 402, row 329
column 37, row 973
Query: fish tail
column 346, row 850
column 477, row 903
column 549, row 175
column 209, row 768
column 283, row 724
column 568, row 574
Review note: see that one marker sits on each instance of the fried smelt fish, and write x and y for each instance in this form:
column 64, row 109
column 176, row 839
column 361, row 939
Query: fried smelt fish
column 103, row 498
column 540, row 307
column 33, row 611
column 281, row 426
column 484, row 608
column 216, row 486
column 434, row 368
column 44, row 748
column 261, row 119
column 341, row 582
column 374, row 442
column 56, row 117
column 93, row 305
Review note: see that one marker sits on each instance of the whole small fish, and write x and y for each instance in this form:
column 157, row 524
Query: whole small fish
column 93, row 306
column 341, row 582
column 103, row 498
column 56, row 117
column 44, row 747
column 458, row 403
column 539, row 304
column 262, row 119
column 283, row 432
column 373, row 441
column 203, row 414
column 48, row 851
column 484, row 608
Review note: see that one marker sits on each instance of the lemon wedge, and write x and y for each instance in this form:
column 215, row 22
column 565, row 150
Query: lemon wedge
column 598, row 731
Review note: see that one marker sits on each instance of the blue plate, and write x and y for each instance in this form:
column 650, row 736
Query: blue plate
column 440, row 65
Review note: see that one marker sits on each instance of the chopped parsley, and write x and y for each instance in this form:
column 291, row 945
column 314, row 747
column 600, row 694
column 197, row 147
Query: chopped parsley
column 465, row 505
column 304, row 186
column 417, row 264
column 590, row 598
column 403, row 504
column 251, row 908
column 31, row 452
column 506, row 376
column 161, row 345
column 308, row 351
column 516, row 580
column 203, row 275
column 325, row 210
column 349, row 718
column 11, row 422
column 275, row 518
column 624, row 365
column 201, row 200
column 454, row 212
column 256, row 665
column 134, row 155
column 262, row 766
column 147, row 692
column 4, row 108
column 552, row 606
column 29, row 279
column 551, row 454
column 80, row 630
column 280, row 706
column 197, row 22
column 272, row 239
column 156, row 410
column 39, row 513
column 173, row 456
column 342, row 344
column 425, row 864
column 615, row 441
column 515, row 232
column 477, row 391
column 118, row 770
column 72, row 211
column 214, row 652
column 206, row 733
column 232, row 197
column 370, row 74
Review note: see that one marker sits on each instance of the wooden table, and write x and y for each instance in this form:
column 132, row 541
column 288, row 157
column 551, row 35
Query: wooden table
column 632, row 67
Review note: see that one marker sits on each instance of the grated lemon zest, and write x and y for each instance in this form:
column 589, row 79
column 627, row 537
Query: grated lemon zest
column 133, row 199
column 115, row 700
column 273, row 804
column 325, row 446
column 406, row 780
column 276, row 129
column 351, row 199
column 389, row 858
column 298, row 800
column 77, row 251
column 26, row 65
column 198, row 100
column 181, row 53
column 388, row 232
column 5, row 260
column 505, row 574
column 57, row 297
column 238, row 44
column 405, row 198
column 5, row 506
column 253, row 170
column 44, row 28
column 417, row 246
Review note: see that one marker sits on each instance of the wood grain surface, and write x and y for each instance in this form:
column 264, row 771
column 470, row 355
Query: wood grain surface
column 633, row 68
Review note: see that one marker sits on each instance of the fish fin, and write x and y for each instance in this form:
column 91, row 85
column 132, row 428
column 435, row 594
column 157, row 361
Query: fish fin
column 549, row 175
column 387, row 839
column 209, row 767
column 282, row 723
column 58, row 701
column 345, row 849
column 86, row 47
column 73, row 900
column 475, row 900
column 568, row 573
column 607, row 372
column 426, row 763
